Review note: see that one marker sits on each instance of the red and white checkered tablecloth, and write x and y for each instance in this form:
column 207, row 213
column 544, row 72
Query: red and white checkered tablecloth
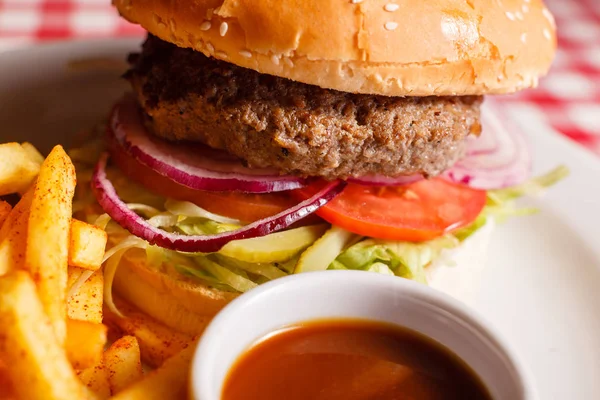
column 568, row 99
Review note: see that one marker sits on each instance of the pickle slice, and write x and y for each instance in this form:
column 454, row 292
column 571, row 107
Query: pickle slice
column 276, row 247
column 322, row 252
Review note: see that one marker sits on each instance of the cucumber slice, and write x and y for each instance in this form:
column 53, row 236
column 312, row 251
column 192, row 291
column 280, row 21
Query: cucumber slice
column 324, row 251
column 276, row 247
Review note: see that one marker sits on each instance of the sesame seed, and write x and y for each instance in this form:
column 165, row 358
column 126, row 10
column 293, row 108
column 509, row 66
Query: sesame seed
column 500, row 77
column 547, row 34
column 549, row 16
column 288, row 62
column 546, row 13
column 275, row 59
column 245, row 53
column 221, row 54
column 525, row 8
column 223, row 28
column 510, row 15
column 210, row 47
column 527, row 1
column 205, row 26
column 356, row 1
column 519, row 15
column 390, row 26
column 524, row 37
column 391, row 7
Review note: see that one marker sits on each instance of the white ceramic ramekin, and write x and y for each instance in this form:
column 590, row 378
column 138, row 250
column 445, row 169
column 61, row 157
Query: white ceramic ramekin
column 356, row 294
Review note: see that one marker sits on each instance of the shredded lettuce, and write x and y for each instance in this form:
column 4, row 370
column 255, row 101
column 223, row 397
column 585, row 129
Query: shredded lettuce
column 464, row 233
column 533, row 187
column 112, row 258
column 380, row 268
column 244, row 264
column 164, row 220
column 155, row 256
column 404, row 259
column 235, row 279
column 289, row 265
column 200, row 226
column 187, row 209
column 85, row 275
column 268, row 270
column 143, row 209
column 199, row 274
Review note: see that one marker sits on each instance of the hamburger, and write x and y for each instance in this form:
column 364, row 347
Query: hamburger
column 263, row 138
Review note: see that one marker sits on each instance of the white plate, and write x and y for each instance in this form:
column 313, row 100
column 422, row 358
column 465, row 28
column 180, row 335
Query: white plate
column 542, row 285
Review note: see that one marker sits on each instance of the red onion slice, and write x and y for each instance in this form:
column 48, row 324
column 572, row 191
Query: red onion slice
column 499, row 158
column 111, row 203
column 195, row 166
column 380, row 180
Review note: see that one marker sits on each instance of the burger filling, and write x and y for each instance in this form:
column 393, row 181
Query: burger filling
column 296, row 128
column 230, row 178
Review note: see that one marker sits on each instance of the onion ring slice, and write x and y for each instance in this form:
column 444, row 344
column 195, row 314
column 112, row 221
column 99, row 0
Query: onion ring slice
column 499, row 158
column 193, row 165
column 109, row 200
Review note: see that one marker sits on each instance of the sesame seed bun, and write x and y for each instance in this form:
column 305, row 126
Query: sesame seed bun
column 388, row 47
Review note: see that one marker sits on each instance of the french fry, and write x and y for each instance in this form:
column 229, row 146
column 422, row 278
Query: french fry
column 5, row 209
column 85, row 343
column 170, row 381
column 157, row 342
column 96, row 380
column 85, row 304
column 13, row 235
column 48, row 235
column 7, row 391
column 87, row 245
column 39, row 368
column 17, row 170
column 73, row 275
column 33, row 153
column 122, row 361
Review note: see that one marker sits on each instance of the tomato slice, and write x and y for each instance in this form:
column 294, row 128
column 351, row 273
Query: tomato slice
column 417, row 212
column 246, row 207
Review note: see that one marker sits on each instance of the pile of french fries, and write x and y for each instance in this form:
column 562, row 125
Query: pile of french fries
column 53, row 338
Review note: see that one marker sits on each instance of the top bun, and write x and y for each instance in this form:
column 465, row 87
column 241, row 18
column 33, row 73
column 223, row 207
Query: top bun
column 387, row 47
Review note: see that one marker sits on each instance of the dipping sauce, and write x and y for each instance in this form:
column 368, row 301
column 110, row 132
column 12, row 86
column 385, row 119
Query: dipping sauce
column 350, row 360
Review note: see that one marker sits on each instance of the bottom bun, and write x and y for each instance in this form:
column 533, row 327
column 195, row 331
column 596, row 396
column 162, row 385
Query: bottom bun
column 188, row 306
column 167, row 296
column 458, row 271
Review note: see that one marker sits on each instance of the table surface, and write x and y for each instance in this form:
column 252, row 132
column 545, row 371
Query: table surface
column 568, row 99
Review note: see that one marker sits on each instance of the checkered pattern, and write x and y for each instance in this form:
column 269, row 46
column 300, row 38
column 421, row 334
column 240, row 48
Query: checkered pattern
column 29, row 21
column 568, row 99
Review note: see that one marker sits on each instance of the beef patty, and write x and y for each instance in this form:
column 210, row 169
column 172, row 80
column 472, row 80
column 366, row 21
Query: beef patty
column 297, row 128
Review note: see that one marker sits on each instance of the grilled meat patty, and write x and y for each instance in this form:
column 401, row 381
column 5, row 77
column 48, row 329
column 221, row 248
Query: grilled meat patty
column 297, row 128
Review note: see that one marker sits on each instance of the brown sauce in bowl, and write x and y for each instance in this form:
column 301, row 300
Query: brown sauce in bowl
column 350, row 360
